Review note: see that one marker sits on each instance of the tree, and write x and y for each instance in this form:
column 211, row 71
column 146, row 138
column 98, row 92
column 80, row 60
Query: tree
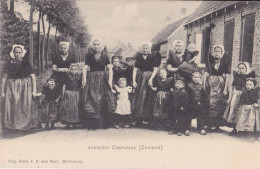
column 13, row 30
column 31, row 32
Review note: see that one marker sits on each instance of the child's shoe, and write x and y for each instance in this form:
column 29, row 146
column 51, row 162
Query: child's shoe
column 203, row 132
column 117, row 126
column 126, row 126
column 134, row 123
column 179, row 134
column 187, row 133
column 218, row 130
column 171, row 132
column 145, row 122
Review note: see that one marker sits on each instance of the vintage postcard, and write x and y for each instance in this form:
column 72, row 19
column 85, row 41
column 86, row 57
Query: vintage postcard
column 128, row 84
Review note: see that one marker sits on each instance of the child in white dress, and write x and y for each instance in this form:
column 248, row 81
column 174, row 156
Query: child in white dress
column 123, row 108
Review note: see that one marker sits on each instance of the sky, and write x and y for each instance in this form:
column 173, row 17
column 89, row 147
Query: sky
column 128, row 21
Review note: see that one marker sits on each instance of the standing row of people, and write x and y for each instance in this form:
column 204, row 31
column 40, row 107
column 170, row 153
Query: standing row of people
column 141, row 94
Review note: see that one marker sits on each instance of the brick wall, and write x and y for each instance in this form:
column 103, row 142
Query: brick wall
column 217, row 33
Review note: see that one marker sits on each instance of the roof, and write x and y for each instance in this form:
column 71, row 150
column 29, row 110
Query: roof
column 130, row 52
column 208, row 7
column 118, row 46
column 168, row 30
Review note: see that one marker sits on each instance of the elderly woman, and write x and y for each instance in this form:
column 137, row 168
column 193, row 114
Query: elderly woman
column 61, row 64
column 18, row 89
column 98, row 96
column 216, row 85
column 145, row 69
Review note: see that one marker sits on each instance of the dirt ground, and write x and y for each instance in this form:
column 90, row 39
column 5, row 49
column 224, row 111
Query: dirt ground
column 130, row 148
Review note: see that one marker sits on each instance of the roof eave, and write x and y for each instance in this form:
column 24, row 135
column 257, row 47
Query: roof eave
column 206, row 15
column 181, row 26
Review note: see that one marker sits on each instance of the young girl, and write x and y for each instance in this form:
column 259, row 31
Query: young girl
column 162, row 86
column 180, row 105
column 231, row 114
column 70, row 97
column 123, row 108
column 49, row 104
column 197, row 101
column 189, row 66
column 248, row 118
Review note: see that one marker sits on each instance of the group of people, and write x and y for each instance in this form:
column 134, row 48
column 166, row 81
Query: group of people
column 139, row 94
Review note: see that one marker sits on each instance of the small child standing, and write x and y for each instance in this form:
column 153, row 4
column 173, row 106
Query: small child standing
column 70, row 98
column 162, row 86
column 248, row 119
column 49, row 105
column 123, row 108
column 179, row 106
column 197, row 101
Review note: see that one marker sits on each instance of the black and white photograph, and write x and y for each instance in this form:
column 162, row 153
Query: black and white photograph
column 128, row 84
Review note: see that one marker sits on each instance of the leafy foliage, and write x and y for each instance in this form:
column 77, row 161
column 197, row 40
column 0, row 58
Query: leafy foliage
column 14, row 30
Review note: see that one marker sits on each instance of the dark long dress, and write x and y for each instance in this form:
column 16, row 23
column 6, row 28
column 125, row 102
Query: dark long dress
column 20, row 109
column 142, row 98
column 60, row 76
column 215, row 84
column 98, row 97
column 162, row 104
column 69, row 108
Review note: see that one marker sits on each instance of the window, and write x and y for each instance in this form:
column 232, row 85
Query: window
column 228, row 41
column 198, row 47
column 248, row 27
column 188, row 39
column 205, row 45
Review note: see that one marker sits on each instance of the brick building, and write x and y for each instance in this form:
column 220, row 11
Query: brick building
column 163, row 40
column 234, row 24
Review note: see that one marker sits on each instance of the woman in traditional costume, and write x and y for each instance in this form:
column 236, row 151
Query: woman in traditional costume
column 145, row 69
column 18, row 89
column 99, row 101
column 216, row 86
